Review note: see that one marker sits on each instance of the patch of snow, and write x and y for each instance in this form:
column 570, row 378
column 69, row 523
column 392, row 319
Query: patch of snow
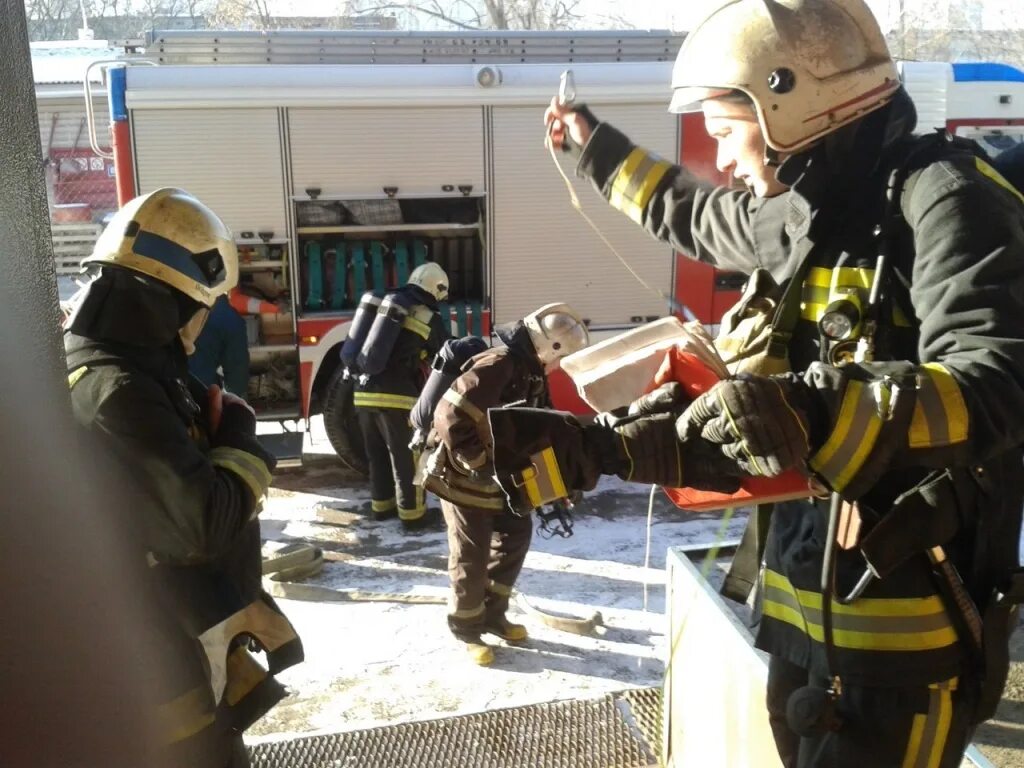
column 376, row 663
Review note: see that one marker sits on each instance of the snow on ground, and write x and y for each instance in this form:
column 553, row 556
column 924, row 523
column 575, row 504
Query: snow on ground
column 376, row 663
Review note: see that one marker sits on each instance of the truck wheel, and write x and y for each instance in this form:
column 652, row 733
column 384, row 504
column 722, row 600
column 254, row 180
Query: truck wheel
column 341, row 423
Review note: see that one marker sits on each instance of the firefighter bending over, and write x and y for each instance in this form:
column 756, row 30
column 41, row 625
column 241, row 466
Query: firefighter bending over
column 903, row 331
column 389, row 343
column 157, row 268
column 487, row 543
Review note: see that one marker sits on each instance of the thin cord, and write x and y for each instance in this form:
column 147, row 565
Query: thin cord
column 647, row 546
column 574, row 198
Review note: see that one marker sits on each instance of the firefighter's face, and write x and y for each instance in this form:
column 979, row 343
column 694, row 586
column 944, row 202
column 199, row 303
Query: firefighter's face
column 741, row 146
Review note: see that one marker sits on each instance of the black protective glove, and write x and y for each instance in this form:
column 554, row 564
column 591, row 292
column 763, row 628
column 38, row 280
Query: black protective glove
column 668, row 398
column 647, row 450
column 763, row 423
column 537, row 451
column 237, row 429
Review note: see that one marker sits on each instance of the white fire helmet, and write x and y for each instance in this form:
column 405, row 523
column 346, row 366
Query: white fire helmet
column 809, row 66
column 556, row 330
column 432, row 279
column 171, row 237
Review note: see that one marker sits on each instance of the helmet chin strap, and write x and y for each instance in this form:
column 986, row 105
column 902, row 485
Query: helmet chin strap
column 771, row 158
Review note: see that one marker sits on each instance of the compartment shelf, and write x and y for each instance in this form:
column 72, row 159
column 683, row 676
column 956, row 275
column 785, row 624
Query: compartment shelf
column 269, row 349
column 354, row 228
column 261, row 264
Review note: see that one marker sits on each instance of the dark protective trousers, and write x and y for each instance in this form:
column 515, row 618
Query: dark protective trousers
column 387, row 434
column 486, row 551
column 920, row 727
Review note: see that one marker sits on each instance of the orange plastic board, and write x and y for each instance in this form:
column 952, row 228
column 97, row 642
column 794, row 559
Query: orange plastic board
column 696, row 377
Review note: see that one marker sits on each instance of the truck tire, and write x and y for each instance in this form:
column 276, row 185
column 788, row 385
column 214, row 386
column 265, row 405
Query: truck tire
column 341, row 424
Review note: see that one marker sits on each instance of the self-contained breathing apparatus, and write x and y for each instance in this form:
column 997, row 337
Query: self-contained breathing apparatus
column 362, row 321
column 397, row 310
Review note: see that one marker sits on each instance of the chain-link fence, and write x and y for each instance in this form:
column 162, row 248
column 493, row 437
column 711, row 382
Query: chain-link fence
column 79, row 183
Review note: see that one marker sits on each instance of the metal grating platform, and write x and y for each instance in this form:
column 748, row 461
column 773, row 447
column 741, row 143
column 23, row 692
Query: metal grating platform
column 616, row 731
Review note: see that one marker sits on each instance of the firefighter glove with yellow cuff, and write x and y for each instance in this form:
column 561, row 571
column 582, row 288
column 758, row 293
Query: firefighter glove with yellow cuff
column 541, row 456
column 763, row 423
column 237, row 431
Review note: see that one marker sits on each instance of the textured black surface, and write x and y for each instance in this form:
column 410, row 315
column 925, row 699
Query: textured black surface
column 615, row 731
column 28, row 290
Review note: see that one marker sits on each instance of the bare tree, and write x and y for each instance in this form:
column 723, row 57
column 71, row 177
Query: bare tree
column 242, row 14
column 956, row 30
column 479, row 14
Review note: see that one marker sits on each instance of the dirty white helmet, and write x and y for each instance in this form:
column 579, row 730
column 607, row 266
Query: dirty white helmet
column 432, row 279
column 556, row 330
column 809, row 66
column 172, row 237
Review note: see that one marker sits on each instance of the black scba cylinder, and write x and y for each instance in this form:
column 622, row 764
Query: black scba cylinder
column 362, row 321
column 387, row 325
column 445, row 368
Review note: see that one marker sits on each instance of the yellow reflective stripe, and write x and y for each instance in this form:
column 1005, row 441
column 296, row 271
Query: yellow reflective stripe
column 852, row 438
column 480, row 501
column 416, row 326
column 185, row 716
column 940, row 413
column 244, row 674
column 385, row 505
column 76, row 375
column 930, row 731
column 636, row 182
column 250, row 468
column 500, row 589
column 869, row 624
column 531, row 486
column 383, row 400
column 990, row 172
column 412, row 514
column 554, row 473
column 543, row 481
column 821, row 282
column 464, row 404
column 467, row 613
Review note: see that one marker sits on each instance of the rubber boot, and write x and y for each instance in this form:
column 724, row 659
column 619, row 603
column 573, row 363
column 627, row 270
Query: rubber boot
column 506, row 630
column 479, row 652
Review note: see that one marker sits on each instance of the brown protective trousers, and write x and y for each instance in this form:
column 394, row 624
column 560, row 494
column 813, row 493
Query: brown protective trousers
column 486, row 551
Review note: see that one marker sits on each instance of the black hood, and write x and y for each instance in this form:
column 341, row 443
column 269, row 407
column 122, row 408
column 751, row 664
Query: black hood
column 839, row 165
column 517, row 338
column 420, row 296
column 126, row 308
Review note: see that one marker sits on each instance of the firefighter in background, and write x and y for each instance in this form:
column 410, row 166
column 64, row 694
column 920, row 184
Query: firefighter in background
column 406, row 332
column 487, row 544
column 158, row 267
column 222, row 350
column 904, row 401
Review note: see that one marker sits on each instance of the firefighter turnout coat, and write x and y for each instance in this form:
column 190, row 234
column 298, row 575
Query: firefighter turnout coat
column 200, row 535
column 932, row 431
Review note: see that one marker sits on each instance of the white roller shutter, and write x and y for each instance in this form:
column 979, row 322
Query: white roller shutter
column 355, row 152
column 228, row 158
column 545, row 251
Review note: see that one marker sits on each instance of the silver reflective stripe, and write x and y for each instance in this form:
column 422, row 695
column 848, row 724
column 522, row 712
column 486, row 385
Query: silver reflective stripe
column 464, row 404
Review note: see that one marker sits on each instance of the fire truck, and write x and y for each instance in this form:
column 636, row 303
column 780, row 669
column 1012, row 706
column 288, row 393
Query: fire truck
column 343, row 159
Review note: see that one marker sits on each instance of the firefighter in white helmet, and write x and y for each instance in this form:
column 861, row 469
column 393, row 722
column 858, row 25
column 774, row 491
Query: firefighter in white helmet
column 901, row 331
column 405, row 333
column 159, row 265
column 487, row 542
